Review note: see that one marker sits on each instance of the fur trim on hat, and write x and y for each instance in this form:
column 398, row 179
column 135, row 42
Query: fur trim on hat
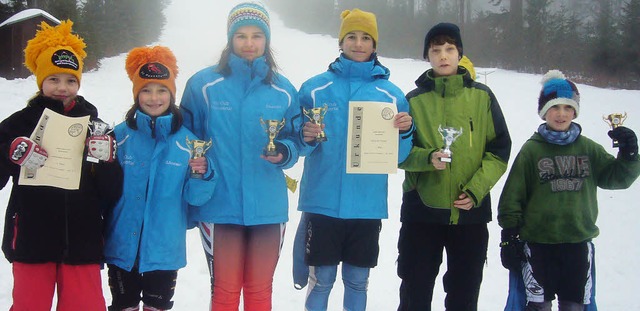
column 143, row 61
column 51, row 40
column 557, row 90
column 358, row 20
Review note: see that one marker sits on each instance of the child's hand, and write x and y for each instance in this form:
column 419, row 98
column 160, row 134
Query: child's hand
column 402, row 121
column 463, row 202
column 627, row 142
column 26, row 152
column 102, row 147
column 511, row 249
column 311, row 130
column 198, row 165
column 435, row 160
column 273, row 159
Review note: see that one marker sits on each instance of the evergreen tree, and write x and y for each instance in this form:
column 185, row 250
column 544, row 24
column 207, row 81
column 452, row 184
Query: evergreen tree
column 630, row 30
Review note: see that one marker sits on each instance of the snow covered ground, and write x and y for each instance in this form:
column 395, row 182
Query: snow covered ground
column 196, row 32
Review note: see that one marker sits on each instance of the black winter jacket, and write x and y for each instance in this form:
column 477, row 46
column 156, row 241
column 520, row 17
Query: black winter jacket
column 48, row 224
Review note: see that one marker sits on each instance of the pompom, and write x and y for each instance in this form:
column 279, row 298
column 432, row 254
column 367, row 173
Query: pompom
column 143, row 55
column 551, row 75
column 48, row 36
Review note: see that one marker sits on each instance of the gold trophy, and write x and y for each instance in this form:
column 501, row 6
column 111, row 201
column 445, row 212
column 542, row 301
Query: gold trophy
column 316, row 116
column 272, row 127
column 614, row 120
column 198, row 149
column 449, row 135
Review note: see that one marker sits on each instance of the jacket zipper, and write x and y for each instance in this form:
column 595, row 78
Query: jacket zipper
column 66, row 226
column 15, row 231
column 471, row 132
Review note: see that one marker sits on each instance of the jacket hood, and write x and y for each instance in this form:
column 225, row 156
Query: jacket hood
column 82, row 107
column 428, row 79
column 159, row 127
column 369, row 70
column 256, row 69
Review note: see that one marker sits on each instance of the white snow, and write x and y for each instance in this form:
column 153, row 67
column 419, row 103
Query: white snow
column 28, row 13
column 196, row 32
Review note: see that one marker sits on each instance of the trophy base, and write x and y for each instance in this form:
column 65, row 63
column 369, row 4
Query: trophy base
column 448, row 160
column 197, row 175
column 270, row 153
column 615, row 144
column 320, row 139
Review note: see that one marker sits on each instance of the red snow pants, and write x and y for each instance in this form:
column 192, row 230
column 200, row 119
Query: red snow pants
column 245, row 260
column 79, row 287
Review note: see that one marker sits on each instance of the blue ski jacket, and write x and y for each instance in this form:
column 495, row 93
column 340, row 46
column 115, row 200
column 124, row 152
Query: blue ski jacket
column 326, row 188
column 149, row 222
column 230, row 109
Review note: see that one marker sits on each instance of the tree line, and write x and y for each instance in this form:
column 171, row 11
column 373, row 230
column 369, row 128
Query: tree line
column 108, row 27
column 592, row 41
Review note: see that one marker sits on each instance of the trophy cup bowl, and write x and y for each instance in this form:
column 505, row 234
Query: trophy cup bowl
column 449, row 135
column 198, row 148
column 272, row 128
column 316, row 116
column 614, row 120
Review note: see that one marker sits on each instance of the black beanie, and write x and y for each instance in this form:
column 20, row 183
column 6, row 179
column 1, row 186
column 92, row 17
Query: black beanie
column 447, row 29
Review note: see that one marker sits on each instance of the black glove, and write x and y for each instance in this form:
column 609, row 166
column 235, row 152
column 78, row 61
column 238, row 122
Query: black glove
column 511, row 249
column 627, row 142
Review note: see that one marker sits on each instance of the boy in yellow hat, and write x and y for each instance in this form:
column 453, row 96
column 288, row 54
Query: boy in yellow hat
column 343, row 225
column 53, row 236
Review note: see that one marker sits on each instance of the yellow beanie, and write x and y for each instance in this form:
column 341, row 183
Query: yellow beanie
column 155, row 64
column 55, row 50
column 358, row 20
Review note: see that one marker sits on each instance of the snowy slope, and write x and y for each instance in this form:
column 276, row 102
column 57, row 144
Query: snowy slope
column 196, row 32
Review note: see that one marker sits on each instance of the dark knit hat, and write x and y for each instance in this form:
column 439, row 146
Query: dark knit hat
column 557, row 90
column 447, row 29
column 248, row 14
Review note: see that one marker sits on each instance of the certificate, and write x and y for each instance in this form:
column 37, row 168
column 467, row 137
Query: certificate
column 372, row 141
column 63, row 139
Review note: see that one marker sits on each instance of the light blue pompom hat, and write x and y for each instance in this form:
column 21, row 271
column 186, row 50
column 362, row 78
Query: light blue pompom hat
column 248, row 14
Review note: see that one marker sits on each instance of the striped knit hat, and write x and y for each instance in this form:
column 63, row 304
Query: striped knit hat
column 557, row 90
column 248, row 14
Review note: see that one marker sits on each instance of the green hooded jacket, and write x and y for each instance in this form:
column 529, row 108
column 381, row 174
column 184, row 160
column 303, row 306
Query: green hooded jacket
column 479, row 155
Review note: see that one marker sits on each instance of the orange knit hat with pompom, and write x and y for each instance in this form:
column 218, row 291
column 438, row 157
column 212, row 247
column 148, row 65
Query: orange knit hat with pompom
column 155, row 64
column 55, row 50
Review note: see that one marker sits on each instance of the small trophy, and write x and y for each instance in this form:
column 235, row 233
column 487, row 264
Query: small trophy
column 272, row 127
column 449, row 135
column 98, row 128
column 316, row 116
column 198, row 149
column 614, row 120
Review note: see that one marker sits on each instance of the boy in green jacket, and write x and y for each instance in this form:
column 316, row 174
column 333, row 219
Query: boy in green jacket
column 446, row 203
column 548, row 207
